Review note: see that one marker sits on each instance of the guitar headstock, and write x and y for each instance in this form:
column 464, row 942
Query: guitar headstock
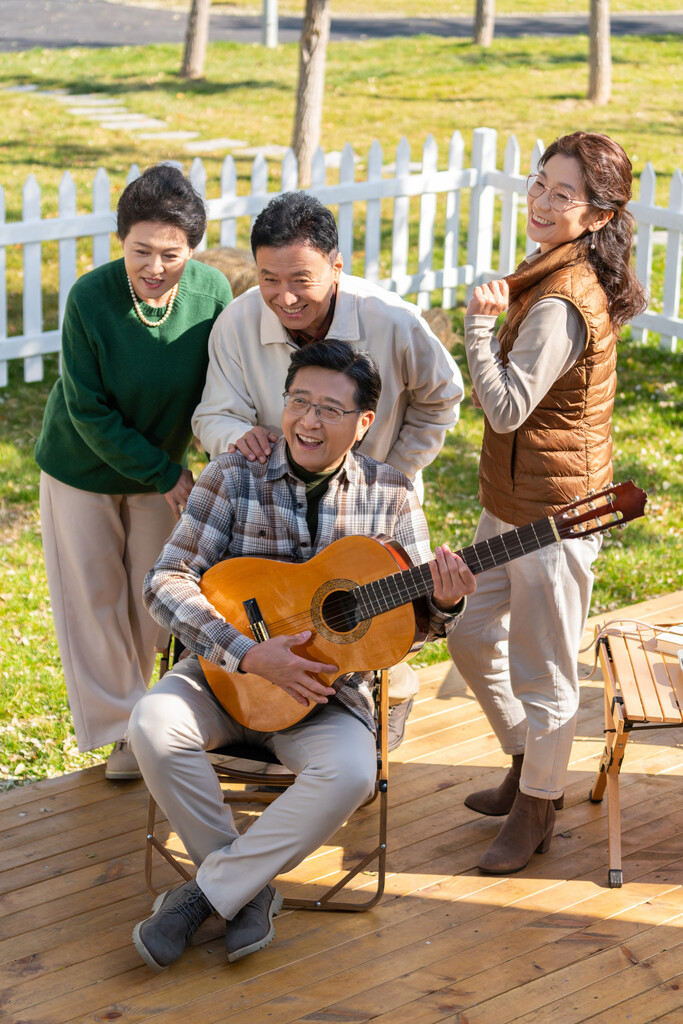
column 615, row 506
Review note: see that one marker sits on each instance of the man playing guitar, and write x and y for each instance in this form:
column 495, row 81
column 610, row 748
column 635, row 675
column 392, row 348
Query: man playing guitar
column 312, row 491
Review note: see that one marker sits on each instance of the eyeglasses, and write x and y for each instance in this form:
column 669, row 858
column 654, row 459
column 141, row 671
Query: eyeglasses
column 325, row 413
column 559, row 201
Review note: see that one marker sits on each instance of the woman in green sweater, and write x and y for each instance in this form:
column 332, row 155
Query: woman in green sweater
column 111, row 450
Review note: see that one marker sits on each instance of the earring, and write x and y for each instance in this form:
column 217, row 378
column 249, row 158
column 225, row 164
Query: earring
column 592, row 240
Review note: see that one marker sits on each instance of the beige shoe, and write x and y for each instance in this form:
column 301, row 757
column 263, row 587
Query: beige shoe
column 121, row 763
column 396, row 722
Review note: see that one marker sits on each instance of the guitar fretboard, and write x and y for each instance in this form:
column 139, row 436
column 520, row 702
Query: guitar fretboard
column 403, row 587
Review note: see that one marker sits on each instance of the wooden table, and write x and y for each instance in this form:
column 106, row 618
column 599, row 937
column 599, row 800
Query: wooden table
column 643, row 690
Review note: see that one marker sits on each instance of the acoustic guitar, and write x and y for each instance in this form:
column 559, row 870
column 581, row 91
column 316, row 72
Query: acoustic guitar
column 364, row 601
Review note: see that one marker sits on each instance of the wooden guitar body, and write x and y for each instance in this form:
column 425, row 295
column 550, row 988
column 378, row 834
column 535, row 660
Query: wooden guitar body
column 293, row 597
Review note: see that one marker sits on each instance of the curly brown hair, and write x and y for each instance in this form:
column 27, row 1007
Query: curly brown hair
column 607, row 175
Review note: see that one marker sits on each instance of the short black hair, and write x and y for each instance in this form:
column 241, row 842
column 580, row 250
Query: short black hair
column 164, row 194
column 341, row 357
column 293, row 218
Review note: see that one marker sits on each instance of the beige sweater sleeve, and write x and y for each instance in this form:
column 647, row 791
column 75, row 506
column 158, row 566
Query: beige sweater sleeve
column 550, row 340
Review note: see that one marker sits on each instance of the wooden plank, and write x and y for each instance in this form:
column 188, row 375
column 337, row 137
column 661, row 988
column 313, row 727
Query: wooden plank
column 59, row 783
column 419, row 967
column 120, row 880
column 34, row 881
column 39, row 850
column 539, row 975
column 42, row 818
column 651, row 671
column 334, row 971
column 202, row 992
column 627, row 979
column 675, row 674
column 649, row 1007
column 464, row 995
column 535, row 974
column 626, row 680
column 665, row 672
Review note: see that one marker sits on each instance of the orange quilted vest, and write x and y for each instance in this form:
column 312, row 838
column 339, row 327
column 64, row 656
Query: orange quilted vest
column 564, row 448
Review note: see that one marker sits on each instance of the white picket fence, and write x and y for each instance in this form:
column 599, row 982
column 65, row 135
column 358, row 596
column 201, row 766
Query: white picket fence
column 480, row 192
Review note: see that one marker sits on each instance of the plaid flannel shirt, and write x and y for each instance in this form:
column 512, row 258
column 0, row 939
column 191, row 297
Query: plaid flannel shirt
column 239, row 508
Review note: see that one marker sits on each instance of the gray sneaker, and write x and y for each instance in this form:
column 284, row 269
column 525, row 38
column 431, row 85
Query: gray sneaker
column 252, row 927
column 122, row 763
column 176, row 915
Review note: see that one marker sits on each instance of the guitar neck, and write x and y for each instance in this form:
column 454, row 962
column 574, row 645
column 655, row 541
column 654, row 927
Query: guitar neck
column 403, row 587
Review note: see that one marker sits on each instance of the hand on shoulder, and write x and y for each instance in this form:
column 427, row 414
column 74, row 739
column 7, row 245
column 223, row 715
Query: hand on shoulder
column 255, row 444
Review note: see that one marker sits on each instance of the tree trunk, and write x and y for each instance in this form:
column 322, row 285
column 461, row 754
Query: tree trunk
column 196, row 38
column 484, row 22
column 315, row 34
column 600, row 57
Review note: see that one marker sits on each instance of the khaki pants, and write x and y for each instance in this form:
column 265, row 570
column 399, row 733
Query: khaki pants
column 98, row 549
column 332, row 753
column 517, row 646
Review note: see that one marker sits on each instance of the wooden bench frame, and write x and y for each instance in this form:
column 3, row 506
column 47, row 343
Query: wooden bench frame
column 643, row 690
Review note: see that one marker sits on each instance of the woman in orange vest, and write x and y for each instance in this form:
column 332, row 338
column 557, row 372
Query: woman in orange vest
column 546, row 385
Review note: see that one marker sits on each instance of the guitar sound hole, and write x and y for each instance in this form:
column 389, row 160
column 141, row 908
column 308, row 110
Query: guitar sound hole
column 339, row 611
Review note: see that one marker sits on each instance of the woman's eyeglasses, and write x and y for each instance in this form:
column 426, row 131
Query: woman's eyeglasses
column 558, row 199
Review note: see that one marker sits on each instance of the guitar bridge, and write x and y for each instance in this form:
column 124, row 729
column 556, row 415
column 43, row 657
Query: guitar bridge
column 258, row 626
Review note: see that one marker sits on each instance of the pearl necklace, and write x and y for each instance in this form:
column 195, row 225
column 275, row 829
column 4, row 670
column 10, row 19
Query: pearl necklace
column 141, row 315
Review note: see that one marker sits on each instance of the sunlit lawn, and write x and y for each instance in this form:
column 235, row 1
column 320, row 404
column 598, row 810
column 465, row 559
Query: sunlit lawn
column 426, row 9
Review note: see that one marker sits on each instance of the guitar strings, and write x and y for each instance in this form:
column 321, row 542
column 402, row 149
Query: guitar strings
column 409, row 580
column 479, row 557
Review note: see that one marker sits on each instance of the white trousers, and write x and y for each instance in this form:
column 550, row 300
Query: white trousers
column 331, row 752
column 517, row 648
column 98, row 548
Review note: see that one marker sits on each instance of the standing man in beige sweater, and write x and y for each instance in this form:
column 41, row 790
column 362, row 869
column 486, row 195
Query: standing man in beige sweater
column 303, row 295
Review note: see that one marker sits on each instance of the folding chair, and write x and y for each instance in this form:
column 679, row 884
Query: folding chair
column 234, row 774
column 643, row 690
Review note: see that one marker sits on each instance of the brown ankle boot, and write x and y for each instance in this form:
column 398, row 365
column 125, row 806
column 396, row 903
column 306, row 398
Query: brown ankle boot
column 528, row 830
column 499, row 800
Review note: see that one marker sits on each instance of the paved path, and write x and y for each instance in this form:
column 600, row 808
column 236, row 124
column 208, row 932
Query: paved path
column 62, row 23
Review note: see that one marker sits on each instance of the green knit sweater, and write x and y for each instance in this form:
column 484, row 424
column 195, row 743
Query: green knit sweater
column 118, row 419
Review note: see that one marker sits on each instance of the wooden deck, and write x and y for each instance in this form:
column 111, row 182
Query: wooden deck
column 551, row 945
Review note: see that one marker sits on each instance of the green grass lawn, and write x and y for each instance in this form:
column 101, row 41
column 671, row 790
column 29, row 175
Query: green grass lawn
column 533, row 88
column 374, row 89
column 426, row 9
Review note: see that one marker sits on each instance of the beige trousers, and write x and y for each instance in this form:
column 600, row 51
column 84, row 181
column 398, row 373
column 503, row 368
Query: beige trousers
column 331, row 752
column 98, row 548
column 517, row 646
